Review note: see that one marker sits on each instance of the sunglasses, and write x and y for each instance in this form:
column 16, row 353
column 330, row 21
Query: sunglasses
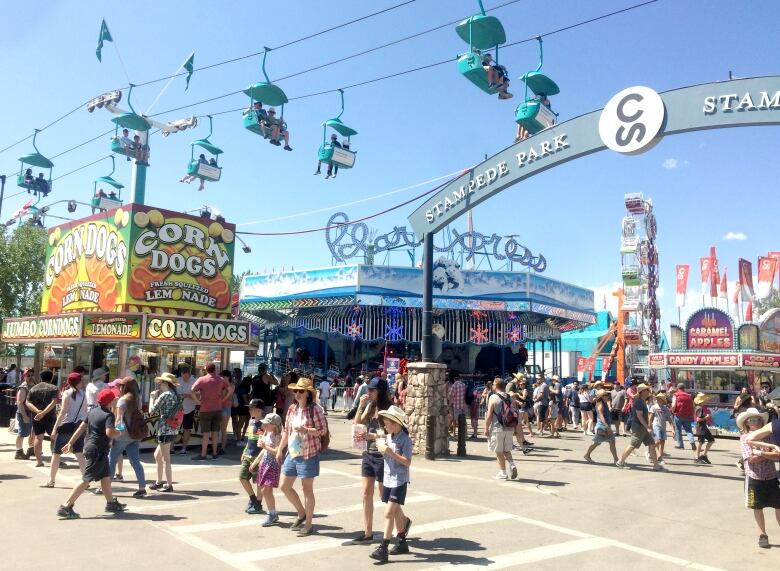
column 298, row 391
column 755, row 420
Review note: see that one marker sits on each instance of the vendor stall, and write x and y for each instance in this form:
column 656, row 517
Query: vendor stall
column 713, row 356
column 135, row 291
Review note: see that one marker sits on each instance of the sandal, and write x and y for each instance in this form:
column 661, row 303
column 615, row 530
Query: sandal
column 48, row 484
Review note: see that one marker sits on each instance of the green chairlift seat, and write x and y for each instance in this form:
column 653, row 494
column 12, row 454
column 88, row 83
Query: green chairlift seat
column 531, row 113
column 470, row 66
column 481, row 32
column 131, row 120
column 107, row 202
column 540, row 84
column 205, row 171
column 266, row 93
column 333, row 154
column 31, row 182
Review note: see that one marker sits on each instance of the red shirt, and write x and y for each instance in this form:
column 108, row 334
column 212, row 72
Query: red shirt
column 211, row 388
column 683, row 405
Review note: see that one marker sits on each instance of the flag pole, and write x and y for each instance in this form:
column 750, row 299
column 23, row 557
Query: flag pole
column 168, row 83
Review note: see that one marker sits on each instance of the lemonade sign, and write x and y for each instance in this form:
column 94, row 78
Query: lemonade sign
column 137, row 258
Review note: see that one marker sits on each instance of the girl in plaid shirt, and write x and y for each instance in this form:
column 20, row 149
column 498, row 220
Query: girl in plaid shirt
column 304, row 426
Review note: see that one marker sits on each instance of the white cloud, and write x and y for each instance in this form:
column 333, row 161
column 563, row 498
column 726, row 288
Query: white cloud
column 735, row 236
column 669, row 164
column 601, row 292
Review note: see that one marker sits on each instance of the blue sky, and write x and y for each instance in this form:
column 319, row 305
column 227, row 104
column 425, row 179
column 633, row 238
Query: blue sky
column 413, row 128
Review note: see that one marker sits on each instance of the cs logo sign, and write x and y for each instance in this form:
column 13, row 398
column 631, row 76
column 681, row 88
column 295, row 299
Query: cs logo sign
column 631, row 121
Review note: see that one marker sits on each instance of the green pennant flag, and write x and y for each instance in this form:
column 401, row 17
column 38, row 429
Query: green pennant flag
column 104, row 35
column 189, row 65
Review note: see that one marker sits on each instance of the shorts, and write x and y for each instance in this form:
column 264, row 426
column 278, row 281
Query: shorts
column 705, row 435
column 226, row 411
column 209, row 421
column 601, row 438
column 395, row 495
column 760, row 494
column 301, row 468
column 500, row 440
column 189, row 420
column 63, row 438
column 373, row 467
column 640, row 435
column 586, row 406
column 659, row 433
column 553, row 412
column 243, row 471
column 617, row 416
column 23, row 428
column 96, row 465
column 45, row 426
column 166, row 438
column 541, row 413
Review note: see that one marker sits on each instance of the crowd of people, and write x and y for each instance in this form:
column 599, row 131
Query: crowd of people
column 281, row 426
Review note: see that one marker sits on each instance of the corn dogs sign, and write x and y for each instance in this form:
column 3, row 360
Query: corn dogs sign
column 138, row 258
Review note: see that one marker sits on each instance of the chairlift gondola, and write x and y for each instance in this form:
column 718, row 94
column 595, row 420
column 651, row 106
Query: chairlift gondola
column 104, row 201
column 481, row 32
column 40, row 185
column 335, row 153
column 265, row 93
column 202, row 168
column 534, row 113
column 131, row 119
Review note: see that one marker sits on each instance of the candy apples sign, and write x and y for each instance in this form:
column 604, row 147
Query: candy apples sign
column 180, row 263
column 710, row 329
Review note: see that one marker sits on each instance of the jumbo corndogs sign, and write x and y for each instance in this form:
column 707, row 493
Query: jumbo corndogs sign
column 137, row 258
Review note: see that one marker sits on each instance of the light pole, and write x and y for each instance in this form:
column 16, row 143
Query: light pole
column 2, row 192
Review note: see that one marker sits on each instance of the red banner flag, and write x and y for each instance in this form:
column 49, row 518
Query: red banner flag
column 591, row 367
column 749, row 311
column 737, row 291
column 776, row 256
column 724, row 285
column 746, row 279
column 766, row 275
column 683, row 270
column 705, row 265
column 714, row 273
column 606, row 364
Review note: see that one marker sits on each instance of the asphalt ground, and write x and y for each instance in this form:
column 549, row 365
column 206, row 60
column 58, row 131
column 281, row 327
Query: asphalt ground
column 560, row 513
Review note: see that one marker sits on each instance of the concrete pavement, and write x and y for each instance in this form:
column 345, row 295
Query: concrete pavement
column 560, row 513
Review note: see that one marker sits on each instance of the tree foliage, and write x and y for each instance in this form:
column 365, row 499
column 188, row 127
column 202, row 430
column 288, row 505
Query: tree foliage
column 22, row 266
column 763, row 305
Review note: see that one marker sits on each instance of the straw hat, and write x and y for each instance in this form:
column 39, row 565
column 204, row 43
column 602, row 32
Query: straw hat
column 701, row 398
column 167, row 378
column 519, row 376
column 642, row 387
column 395, row 414
column 304, row 384
column 598, row 384
column 556, row 378
column 600, row 394
column 742, row 417
column 661, row 396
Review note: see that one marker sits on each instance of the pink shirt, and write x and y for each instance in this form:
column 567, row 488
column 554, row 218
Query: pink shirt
column 210, row 388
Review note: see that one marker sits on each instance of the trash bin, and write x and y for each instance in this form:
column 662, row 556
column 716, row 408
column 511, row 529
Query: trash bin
column 7, row 405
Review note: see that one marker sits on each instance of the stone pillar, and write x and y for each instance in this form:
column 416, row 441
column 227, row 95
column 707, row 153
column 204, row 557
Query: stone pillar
column 426, row 396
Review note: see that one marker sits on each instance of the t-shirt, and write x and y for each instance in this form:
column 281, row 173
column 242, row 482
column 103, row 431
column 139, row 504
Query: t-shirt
column 188, row 404
column 639, row 406
column 558, row 387
column 98, row 420
column 252, row 437
column 396, row 474
column 93, row 389
column 77, row 408
column 123, row 405
column 10, row 377
column 262, row 390
column 41, row 395
column 497, row 402
column 324, row 389
column 618, row 400
column 701, row 413
column 211, row 388
column 372, row 425
column 661, row 415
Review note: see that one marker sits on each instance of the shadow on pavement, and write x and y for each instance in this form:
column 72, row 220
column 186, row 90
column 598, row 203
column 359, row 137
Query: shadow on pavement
column 333, row 454
column 13, row 477
column 137, row 516
column 441, row 550
column 550, row 483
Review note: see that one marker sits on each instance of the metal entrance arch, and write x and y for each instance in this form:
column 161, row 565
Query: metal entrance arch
column 633, row 121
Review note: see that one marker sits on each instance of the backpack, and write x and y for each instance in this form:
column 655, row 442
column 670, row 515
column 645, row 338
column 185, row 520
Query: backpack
column 324, row 438
column 508, row 417
column 136, row 424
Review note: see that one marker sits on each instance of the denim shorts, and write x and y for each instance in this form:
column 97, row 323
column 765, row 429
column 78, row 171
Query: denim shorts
column 23, row 427
column 659, row 433
column 301, row 468
column 226, row 411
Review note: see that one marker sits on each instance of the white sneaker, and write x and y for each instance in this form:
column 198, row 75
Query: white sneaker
column 513, row 472
column 500, row 476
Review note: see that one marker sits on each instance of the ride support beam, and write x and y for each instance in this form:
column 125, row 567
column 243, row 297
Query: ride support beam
column 427, row 309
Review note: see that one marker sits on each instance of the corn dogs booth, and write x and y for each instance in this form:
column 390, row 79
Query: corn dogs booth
column 135, row 290
column 713, row 356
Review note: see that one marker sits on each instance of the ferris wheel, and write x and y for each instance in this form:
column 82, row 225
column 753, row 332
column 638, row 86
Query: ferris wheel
column 640, row 314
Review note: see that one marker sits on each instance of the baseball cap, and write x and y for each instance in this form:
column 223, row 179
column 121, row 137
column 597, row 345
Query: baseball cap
column 256, row 403
column 272, row 418
column 106, row 397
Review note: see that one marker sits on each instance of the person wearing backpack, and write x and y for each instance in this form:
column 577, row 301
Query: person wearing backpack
column 73, row 412
column 500, row 423
column 132, row 429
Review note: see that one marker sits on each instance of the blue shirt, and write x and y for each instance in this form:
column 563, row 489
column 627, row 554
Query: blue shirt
column 396, row 474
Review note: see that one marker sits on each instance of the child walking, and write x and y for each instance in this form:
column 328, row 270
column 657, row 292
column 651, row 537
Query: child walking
column 269, row 469
column 250, row 455
column 397, row 450
column 762, row 489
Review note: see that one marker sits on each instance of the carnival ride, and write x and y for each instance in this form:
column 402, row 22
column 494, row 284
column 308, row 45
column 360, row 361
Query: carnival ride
column 534, row 114
column 105, row 201
column 255, row 119
column 39, row 185
column 333, row 152
column 638, row 331
column 481, row 32
column 202, row 168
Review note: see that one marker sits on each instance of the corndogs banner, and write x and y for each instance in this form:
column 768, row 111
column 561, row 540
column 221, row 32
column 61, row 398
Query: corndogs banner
column 138, row 258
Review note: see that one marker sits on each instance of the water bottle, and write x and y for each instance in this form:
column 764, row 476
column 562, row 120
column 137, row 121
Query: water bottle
column 120, row 425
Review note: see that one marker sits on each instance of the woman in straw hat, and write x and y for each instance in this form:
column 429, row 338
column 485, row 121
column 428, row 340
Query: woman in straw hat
column 705, row 437
column 603, row 432
column 762, row 489
column 660, row 416
column 397, row 451
column 304, row 427
column 169, row 406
